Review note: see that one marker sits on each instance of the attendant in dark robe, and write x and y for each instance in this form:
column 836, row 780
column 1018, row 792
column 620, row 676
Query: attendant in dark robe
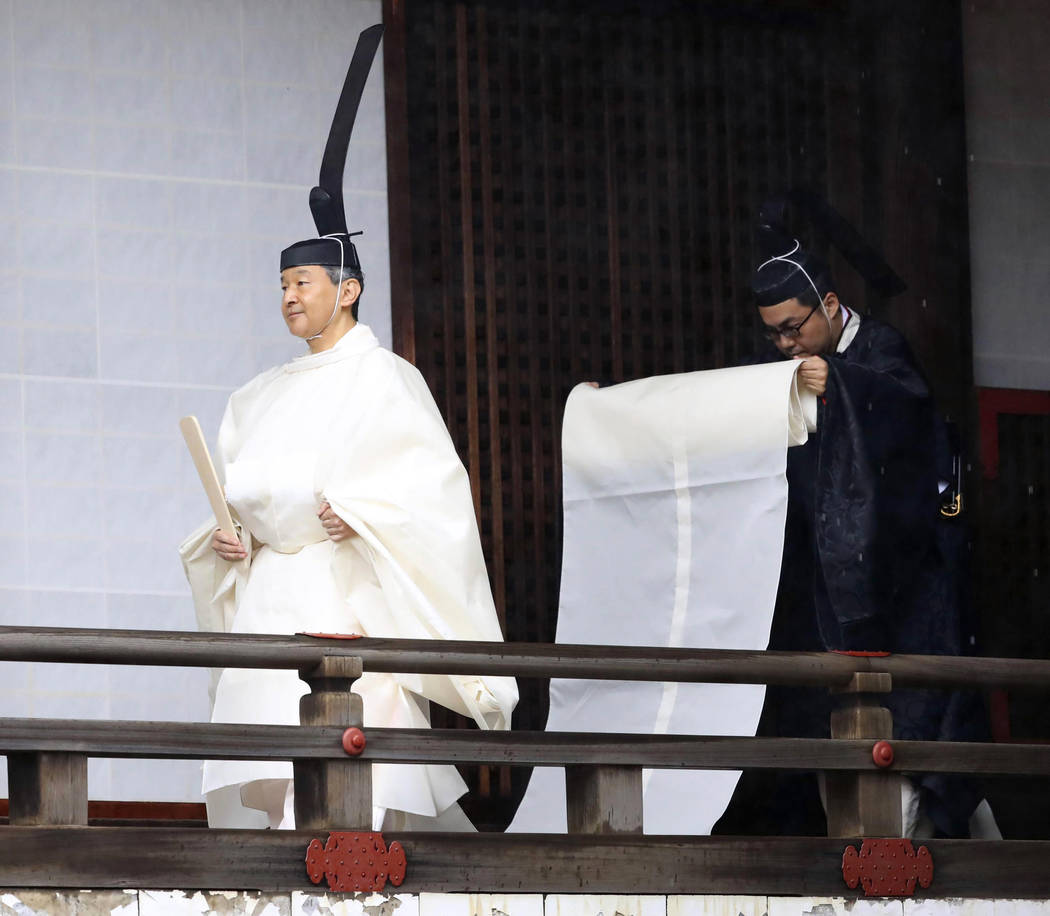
column 866, row 565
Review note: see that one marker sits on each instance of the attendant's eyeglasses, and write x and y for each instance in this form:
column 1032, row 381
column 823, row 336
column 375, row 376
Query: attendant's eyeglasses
column 790, row 332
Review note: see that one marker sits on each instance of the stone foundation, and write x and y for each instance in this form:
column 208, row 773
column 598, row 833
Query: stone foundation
column 250, row 903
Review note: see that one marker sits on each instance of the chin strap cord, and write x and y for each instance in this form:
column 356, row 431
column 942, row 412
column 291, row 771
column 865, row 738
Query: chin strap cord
column 785, row 258
column 339, row 285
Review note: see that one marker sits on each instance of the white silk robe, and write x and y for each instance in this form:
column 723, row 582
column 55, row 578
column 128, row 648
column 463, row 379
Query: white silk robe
column 355, row 426
column 675, row 497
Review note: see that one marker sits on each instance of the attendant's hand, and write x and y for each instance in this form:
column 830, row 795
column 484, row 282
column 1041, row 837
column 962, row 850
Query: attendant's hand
column 813, row 374
column 334, row 526
column 228, row 546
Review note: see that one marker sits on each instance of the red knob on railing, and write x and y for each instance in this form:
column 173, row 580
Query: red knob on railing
column 354, row 741
column 881, row 753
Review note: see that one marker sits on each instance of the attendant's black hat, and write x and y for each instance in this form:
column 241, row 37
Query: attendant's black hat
column 787, row 270
column 333, row 247
column 788, row 273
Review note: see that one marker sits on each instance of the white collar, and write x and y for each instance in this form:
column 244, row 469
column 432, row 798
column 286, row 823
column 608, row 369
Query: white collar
column 850, row 326
column 359, row 339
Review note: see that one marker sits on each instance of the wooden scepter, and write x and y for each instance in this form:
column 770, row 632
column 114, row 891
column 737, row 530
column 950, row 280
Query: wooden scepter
column 191, row 432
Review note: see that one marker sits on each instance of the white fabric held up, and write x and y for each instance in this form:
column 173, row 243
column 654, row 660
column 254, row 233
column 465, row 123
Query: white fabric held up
column 675, row 499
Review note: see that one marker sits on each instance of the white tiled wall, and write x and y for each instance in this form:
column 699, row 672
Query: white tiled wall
column 155, row 156
column 1008, row 141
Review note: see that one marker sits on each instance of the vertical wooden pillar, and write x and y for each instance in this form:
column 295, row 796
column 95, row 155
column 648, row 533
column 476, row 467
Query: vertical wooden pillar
column 334, row 794
column 47, row 789
column 603, row 799
column 865, row 803
column 398, row 179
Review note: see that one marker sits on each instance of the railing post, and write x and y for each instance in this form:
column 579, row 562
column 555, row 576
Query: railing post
column 603, row 799
column 866, row 804
column 332, row 793
column 47, row 789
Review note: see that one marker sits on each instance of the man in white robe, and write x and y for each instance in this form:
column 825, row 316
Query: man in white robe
column 356, row 517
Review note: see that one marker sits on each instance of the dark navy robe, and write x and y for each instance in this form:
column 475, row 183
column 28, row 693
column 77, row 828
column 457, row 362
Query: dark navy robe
column 868, row 565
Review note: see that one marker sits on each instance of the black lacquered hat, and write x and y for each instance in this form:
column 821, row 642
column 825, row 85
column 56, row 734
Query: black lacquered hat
column 786, row 269
column 333, row 246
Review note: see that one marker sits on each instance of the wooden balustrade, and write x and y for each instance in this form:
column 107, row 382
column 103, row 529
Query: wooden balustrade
column 332, row 792
column 47, row 787
column 47, row 764
column 863, row 804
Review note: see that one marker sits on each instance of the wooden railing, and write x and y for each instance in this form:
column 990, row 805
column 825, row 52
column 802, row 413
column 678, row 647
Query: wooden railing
column 48, row 843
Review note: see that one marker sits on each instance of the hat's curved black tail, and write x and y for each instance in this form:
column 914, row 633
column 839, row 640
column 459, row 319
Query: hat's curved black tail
column 774, row 236
column 326, row 200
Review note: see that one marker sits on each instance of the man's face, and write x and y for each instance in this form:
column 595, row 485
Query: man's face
column 814, row 335
column 308, row 300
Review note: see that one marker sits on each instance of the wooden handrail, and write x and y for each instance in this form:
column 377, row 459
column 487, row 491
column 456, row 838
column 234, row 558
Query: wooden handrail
column 541, row 660
column 185, row 740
